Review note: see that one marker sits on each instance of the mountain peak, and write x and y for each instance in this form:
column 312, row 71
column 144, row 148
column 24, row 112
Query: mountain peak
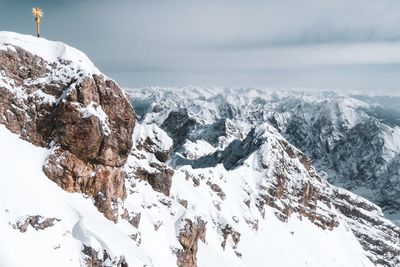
column 50, row 51
column 53, row 96
column 92, row 187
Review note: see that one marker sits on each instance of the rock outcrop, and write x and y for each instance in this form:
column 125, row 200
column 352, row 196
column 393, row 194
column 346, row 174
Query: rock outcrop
column 105, row 184
column 226, row 203
column 37, row 222
column 83, row 115
column 93, row 258
column 383, row 246
column 151, row 150
column 189, row 236
column 95, row 122
column 292, row 187
column 353, row 138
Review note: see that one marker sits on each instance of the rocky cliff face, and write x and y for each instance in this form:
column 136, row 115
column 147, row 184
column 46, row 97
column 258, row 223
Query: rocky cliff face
column 310, row 197
column 328, row 129
column 85, row 117
column 246, row 197
column 355, row 140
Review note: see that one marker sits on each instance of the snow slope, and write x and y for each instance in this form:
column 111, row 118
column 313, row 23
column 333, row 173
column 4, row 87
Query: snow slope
column 48, row 50
column 351, row 138
column 25, row 191
column 263, row 203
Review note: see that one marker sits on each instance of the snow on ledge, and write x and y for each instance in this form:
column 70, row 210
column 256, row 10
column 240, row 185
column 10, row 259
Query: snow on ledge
column 48, row 50
column 93, row 109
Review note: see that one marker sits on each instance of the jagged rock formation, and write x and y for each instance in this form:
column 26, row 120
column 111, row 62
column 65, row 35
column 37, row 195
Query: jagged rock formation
column 355, row 140
column 36, row 222
column 76, row 109
column 151, row 150
column 95, row 122
column 246, row 196
column 189, row 236
column 303, row 196
column 93, row 258
column 312, row 198
column 104, row 183
column 357, row 149
column 382, row 246
column 182, row 128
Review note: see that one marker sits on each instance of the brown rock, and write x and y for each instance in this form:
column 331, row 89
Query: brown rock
column 133, row 218
column 160, row 181
column 104, row 183
column 19, row 64
column 93, row 146
column 91, row 257
column 82, row 136
column 188, row 238
column 150, row 146
column 227, row 231
column 36, row 222
column 116, row 146
column 85, row 136
column 216, row 189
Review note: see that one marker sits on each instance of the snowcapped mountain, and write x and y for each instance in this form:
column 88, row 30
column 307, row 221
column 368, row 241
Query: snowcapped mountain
column 84, row 184
column 354, row 139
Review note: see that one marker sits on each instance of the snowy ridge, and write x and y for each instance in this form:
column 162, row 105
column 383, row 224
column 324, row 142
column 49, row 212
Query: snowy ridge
column 57, row 69
column 353, row 139
column 34, row 194
column 223, row 199
column 154, row 133
column 241, row 194
column 48, row 50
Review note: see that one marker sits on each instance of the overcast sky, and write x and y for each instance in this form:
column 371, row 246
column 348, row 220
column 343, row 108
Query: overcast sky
column 328, row 44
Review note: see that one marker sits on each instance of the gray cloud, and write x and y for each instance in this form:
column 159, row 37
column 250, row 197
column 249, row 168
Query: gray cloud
column 310, row 43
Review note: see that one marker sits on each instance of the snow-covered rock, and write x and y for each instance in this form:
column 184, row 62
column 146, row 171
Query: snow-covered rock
column 252, row 199
column 53, row 96
column 354, row 139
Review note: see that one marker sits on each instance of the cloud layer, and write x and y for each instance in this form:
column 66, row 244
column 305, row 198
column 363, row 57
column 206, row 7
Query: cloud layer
column 310, row 43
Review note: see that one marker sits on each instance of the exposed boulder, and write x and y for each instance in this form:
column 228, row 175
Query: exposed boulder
column 227, row 231
column 37, row 222
column 19, row 65
column 160, row 179
column 105, row 184
column 67, row 105
column 133, row 218
column 189, row 237
column 93, row 258
column 152, row 147
column 152, row 139
column 95, row 122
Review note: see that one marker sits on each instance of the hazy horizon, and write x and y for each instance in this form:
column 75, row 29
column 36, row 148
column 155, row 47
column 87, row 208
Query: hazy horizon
column 263, row 44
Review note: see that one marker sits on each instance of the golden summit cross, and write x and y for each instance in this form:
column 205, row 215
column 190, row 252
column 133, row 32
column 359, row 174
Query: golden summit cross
column 38, row 14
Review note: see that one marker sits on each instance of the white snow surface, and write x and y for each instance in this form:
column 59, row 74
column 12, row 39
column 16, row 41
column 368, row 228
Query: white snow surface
column 64, row 64
column 26, row 191
column 152, row 131
column 48, row 50
column 353, row 138
column 264, row 239
column 195, row 150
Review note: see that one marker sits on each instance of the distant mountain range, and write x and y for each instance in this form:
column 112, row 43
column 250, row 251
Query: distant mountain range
column 196, row 177
column 353, row 139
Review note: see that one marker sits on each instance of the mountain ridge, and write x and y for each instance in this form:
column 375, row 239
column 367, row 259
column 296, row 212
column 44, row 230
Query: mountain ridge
column 85, row 184
column 326, row 126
